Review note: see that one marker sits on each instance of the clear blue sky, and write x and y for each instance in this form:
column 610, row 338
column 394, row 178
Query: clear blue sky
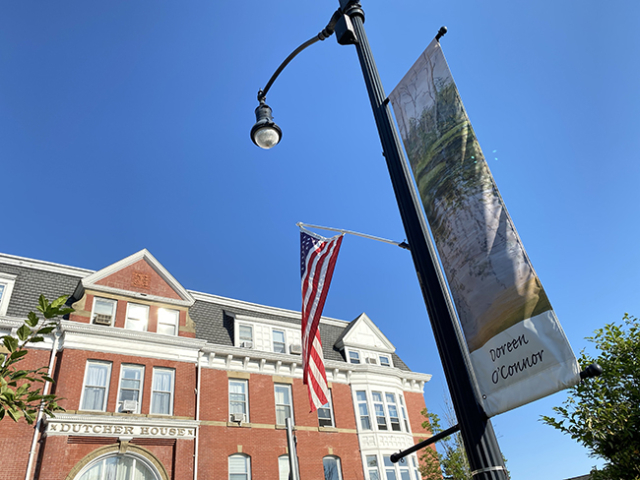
column 125, row 125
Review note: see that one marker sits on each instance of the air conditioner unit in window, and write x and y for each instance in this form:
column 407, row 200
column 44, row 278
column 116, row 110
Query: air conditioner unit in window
column 102, row 319
column 372, row 360
column 129, row 406
column 246, row 344
column 237, row 417
column 295, row 349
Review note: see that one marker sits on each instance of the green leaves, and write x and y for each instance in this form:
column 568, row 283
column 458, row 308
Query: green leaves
column 20, row 395
column 603, row 413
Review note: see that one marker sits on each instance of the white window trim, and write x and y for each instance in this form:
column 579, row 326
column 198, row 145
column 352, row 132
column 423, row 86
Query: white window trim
column 248, row 464
column 246, row 394
column 390, row 364
column 357, row 403
column 115, row 309
column 176, row 325
column 126, row 322
column 403, row 411
column 138, row 458
column 284, row 474
column 396, row 466
column 349, row 351
column 338, row 465
column 368, row 469
column 8, row 281
column 273, row 342
column 106, row 390
column 388, row 412
column 173, row 390
column 288, row 386
column 140, row 390
column 333, row 418
column 237, row 333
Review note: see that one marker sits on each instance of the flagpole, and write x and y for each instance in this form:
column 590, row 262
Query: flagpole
column 484, row 455
column 404, row 245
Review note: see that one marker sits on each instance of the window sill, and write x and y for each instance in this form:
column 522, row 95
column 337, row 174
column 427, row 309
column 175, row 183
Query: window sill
column 239, row 425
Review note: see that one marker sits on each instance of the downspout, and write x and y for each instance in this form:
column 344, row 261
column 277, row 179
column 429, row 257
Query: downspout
column 45, row 391
column 198, row 381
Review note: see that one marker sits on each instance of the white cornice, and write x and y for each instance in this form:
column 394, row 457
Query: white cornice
column 42, row 265
column 282, row 312
column 138, row 295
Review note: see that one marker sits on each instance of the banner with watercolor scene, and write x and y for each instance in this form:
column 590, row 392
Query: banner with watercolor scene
column 518, row 349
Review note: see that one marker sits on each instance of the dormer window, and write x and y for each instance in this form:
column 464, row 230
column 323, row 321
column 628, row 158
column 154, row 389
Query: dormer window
column 384, row 361
column 104, row 311
column 245, row 336
column 354, row 357
column 168, row 321
column 137, row 317
column 6, row 287
column 279, row 344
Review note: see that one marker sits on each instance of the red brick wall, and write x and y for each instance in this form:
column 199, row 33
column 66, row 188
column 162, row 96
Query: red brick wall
column 415, row 404
column 15, row 438
column 70, row 378
column 140, row 277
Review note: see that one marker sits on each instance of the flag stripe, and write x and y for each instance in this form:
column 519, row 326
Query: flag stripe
column 318, row 259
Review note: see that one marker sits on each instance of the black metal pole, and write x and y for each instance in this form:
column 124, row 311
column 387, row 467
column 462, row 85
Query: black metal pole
column 483, row 452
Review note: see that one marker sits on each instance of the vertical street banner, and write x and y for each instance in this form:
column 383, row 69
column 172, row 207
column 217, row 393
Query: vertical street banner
column 518, row 350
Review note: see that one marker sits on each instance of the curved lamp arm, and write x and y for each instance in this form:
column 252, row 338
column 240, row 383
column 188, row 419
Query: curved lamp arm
column 325, row 33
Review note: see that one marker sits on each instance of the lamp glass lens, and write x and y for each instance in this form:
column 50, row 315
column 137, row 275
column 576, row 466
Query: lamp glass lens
column 267, row 137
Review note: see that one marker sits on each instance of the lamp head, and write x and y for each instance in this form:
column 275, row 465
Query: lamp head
column 265, row 133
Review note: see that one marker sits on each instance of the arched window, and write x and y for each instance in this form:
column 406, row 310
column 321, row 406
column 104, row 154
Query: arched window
column 331, row 466
column 284, row 468
column 120, row 467
column 239, row 467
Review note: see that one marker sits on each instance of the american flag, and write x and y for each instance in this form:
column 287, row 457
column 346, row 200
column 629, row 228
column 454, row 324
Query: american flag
column 317, row 260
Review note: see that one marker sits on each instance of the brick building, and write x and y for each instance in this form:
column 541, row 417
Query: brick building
column 160, row 383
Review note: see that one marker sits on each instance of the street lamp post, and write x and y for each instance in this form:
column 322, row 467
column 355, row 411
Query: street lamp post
column 483, row 452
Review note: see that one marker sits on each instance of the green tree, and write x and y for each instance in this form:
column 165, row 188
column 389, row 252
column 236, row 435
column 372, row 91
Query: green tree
column 603, row 413
column 450, row 462
column 20, row 389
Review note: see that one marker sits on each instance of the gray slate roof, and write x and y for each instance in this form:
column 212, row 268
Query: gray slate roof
column 214, row 323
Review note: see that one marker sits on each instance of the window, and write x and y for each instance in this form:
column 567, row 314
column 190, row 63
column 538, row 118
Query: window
column 384, row 361
column 168, row 321
column 245, row 336
column 122, row 467
column 279, row 345
column 7, row 282
column 416, row 472
column 284, row 404
column 239, row 467
column 137, row 317
column 389, row 468
column 284, row 468
column 354, row 357
column 331, row 466
column 104, row 311
column 363, row 410
column 392, row 408
column 325, row 413
column 378, row 408
column 372, row 467
column 131, row 380
column 398, row 471
column 162, row 391
column 96, row 386
column 238, row 399
column 404, row 413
